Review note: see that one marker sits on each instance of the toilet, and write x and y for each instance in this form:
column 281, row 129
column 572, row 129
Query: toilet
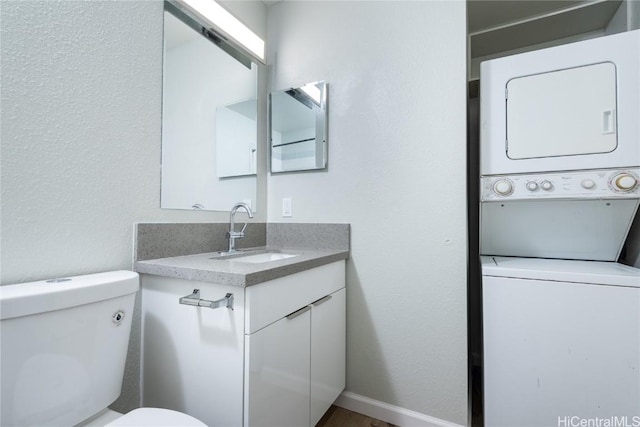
column 63, row 347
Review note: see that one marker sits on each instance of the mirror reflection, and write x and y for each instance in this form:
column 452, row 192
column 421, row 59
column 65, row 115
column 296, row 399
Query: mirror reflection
column 209, row 129
column 236, row 139
column 298, row 120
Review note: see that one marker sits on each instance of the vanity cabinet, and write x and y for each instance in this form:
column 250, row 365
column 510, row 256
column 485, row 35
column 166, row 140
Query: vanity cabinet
column 276, row 359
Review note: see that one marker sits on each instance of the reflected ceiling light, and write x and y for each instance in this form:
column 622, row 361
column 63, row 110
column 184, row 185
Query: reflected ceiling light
column 229, row 24
column 312, row 90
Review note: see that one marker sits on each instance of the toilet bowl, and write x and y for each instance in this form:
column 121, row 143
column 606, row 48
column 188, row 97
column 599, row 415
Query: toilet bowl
column 142, row 417
column 63, row 350
column 155, row 417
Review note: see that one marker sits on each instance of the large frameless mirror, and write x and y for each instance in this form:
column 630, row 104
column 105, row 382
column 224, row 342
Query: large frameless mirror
column 298, row 123
column 209, row 112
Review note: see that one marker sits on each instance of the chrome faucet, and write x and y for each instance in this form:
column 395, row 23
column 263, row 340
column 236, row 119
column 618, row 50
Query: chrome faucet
column 233, row 234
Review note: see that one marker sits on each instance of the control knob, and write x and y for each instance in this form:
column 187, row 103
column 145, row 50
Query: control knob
column 532, row 186
column 546, row 185
column 503, row 187
column 624, row 182
column 588, row 184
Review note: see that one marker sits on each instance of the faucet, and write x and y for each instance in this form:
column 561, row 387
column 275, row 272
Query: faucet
column 233, row 234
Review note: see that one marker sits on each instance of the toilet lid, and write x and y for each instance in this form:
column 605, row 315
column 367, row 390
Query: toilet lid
column 155, row 417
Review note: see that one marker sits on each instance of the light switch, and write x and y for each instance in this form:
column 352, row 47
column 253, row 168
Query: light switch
column 287, row 210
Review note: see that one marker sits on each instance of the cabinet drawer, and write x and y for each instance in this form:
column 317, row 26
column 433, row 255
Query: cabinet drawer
column 269, row 301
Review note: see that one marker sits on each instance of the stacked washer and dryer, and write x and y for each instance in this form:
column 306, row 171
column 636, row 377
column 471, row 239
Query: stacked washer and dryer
column 560, row 186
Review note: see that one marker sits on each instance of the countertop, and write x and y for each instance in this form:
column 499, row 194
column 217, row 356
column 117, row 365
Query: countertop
column 210, row 267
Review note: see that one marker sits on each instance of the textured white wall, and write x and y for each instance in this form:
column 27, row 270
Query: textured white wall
column 81, row 86
column 397, row 147
column 81, row 92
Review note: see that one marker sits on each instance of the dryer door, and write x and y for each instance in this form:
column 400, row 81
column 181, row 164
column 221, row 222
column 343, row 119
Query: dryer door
column 562, row 113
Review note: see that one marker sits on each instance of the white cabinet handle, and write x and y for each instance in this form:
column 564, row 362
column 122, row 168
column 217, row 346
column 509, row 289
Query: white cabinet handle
column 298, row 312
column 322, row 300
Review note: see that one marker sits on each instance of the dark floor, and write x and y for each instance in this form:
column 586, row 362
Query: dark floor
column 340, row 417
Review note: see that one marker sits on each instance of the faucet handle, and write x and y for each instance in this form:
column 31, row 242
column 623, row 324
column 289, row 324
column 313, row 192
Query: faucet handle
column 235, row 233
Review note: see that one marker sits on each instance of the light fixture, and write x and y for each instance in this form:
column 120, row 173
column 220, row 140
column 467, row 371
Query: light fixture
column 313, row 92
column 229, row 25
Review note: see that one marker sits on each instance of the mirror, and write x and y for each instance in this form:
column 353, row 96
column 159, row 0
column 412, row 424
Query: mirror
column 209, row 127
column 298, row 123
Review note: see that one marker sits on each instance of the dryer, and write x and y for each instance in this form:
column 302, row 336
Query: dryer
column 561, row 342
column 569, row 107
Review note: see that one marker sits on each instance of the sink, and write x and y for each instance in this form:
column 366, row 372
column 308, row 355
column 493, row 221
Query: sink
column 266, row 257
column 253, row 256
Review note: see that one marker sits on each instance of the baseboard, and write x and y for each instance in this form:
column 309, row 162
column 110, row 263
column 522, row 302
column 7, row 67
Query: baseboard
column 388, row 413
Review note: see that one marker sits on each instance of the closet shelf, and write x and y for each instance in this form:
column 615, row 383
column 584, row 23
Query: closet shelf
column 582, row 18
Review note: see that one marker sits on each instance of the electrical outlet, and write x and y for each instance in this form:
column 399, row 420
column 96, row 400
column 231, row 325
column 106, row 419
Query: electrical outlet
column 287, row 210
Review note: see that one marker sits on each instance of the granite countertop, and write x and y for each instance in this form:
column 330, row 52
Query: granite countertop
column 232, row 271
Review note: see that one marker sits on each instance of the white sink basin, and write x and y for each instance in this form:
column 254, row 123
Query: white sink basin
column 269, row 256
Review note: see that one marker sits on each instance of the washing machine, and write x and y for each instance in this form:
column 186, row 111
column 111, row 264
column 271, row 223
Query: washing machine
column 561, row 342
column 560, row 187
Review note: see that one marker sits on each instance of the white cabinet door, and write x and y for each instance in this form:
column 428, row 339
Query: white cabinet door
column 192, row 357
column 328, row 350
column 277, row 374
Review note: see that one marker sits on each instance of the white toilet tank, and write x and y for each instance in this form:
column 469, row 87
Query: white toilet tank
column 63, row 346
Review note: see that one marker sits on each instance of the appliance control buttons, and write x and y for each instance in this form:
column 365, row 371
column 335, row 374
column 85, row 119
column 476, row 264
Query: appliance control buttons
column 546, row 185
column 624, row 182
column 532, row 186
column 502, row 187
column 588, row 184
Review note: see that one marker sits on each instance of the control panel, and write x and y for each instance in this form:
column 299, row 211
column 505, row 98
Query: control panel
column 591, row 184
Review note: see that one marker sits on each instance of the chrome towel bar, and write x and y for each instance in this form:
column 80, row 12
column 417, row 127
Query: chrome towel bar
column 194, row 299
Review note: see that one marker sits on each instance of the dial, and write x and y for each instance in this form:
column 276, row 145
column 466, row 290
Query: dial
column 588, row 184
column 546, row 185
column 503, row 187
column 624, row 181
column 532, row 186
